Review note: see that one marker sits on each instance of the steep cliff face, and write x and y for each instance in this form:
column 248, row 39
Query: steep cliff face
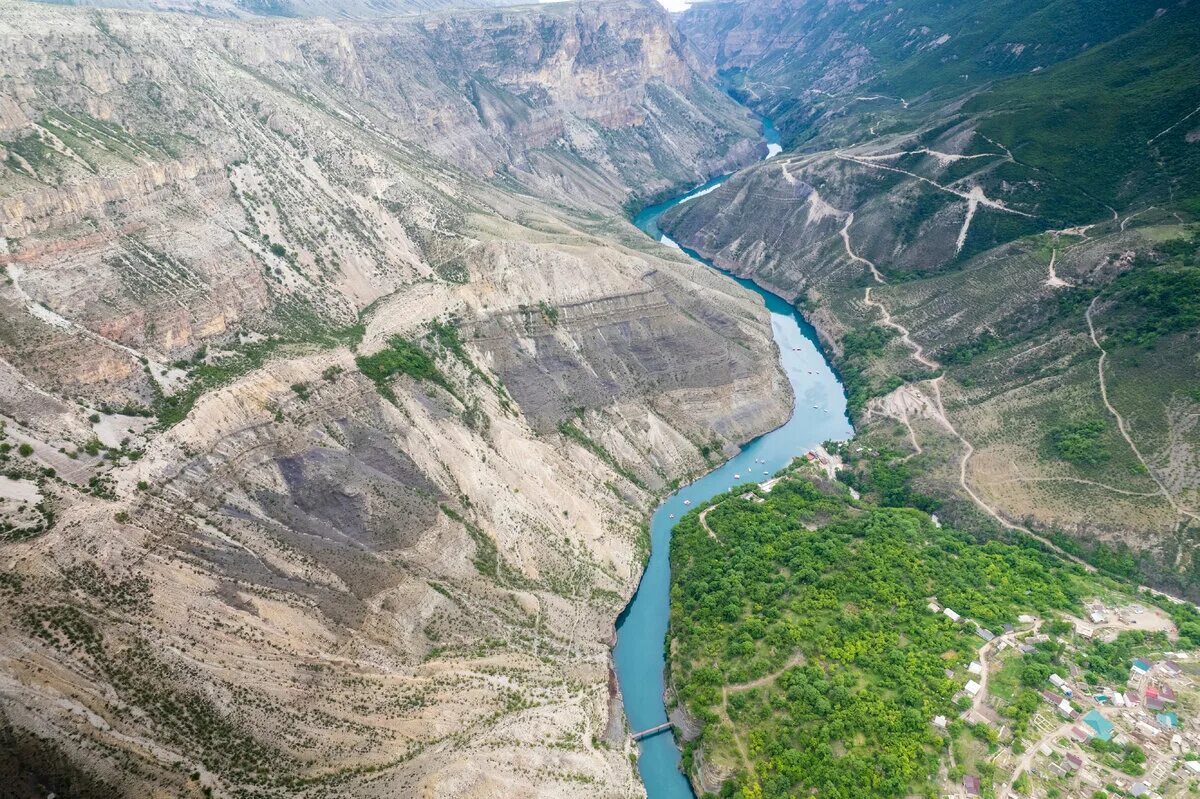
column 335, row 391
column 967, row 197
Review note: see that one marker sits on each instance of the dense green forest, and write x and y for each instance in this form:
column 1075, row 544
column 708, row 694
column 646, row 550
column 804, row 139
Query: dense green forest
column 820, row 601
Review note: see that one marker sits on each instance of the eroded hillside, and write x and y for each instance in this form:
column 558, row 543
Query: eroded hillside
column 335, row 392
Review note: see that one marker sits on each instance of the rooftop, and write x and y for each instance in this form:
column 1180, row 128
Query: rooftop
column 1102, row 726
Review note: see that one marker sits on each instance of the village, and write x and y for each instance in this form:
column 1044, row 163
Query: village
column 1134, row 737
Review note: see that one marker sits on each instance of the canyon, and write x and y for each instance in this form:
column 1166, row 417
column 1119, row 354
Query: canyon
column 234, row 563
column 340, row 394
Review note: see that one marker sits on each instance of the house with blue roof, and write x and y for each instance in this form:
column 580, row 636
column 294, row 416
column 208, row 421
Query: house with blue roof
column 1102, row 726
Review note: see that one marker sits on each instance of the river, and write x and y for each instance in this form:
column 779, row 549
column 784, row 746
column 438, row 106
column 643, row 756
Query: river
column 819, row 414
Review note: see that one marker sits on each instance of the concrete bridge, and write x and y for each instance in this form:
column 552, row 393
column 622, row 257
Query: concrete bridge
column 646, row 733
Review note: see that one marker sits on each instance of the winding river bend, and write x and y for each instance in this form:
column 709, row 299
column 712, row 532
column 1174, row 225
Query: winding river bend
column 819, row 414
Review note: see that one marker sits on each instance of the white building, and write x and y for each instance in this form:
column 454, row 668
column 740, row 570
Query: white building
column 975, row 667
column 951, row 615
column 972, row 687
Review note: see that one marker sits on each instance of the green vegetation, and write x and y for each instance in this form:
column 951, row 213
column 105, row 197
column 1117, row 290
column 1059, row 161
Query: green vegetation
column 1158, row 297
column 859, row 347
column 1109, row 661
column 301, row 329
column 825, row 597
column 881, row 477
column 568, row 428
column 1080, row 443
column 968, row 351
column 401, row 356
column 487, row 558
column 1129, row 759
column 1086, row 123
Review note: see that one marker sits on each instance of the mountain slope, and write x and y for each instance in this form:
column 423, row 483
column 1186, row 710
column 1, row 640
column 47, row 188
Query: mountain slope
column 956, row 250
column 325, row 471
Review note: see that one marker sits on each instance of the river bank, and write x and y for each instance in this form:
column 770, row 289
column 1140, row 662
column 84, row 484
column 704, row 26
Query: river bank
column 818, row 414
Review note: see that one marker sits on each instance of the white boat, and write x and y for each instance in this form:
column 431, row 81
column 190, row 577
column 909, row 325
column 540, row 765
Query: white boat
column 687, row 502
column 737, row 477
column 671, row 516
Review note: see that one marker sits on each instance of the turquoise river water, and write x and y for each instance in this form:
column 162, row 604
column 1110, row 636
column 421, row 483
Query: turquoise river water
column 819, row 414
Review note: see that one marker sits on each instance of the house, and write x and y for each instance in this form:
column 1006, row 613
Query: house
column 1026, row 649
column 1119, row 699
column 939, row 722
column 1147, row 730
column 1154, row 703
column 1168, row 720
column 985, row 634
column 1140, row 666
column 1079, row 734
column 1172, row 668
column 1008, row 628
column 951, row 615
column 1084, row 630
column 1060, row 684
column 1073, row 762
column 1193, row 766
column 1065, row 708
column 1100, row 725
column 1051, row 697
column 976, row 667
column 972, row 687
column 934, row 607
column 1139, row 789
column 1025, row 618
column 1167, row 694
column 1132, row 698
column 1151, row 692
column 971, row 785
column 1098, row 617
